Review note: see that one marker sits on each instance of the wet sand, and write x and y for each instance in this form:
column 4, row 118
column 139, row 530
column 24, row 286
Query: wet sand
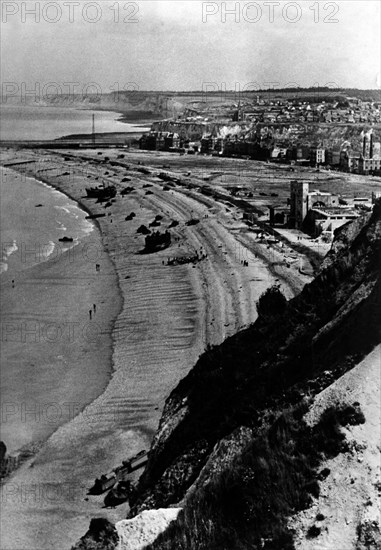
column 169, row 315
column 50, row 344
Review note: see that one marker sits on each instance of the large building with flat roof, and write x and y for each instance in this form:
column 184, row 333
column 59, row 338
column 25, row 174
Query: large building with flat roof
column 317, row 211
column 302, row 200
column 326, row 220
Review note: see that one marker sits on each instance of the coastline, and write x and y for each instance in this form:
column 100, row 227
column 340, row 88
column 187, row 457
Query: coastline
column 110, row 124
column 62, row 374
column 169, row 315
column 62, row 327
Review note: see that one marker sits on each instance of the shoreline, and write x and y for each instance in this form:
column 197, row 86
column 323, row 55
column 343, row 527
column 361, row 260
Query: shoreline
column 137, row 120
column 168, row 317
column 84, row 137
column 69, row 261
column 111, row 449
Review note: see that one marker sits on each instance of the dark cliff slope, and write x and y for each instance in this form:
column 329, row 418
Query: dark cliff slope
column 238, row 389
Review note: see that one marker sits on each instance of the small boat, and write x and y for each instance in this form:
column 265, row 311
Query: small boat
column 101, row 192
column 157, row 241
column 94, row 216
column 66, row 239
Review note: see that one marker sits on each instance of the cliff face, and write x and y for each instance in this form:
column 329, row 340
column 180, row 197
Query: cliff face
column 272, row 440
column 145, row 103
column 187, row 130
column 237, row 391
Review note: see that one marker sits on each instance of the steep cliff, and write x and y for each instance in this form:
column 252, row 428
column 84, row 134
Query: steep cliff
column 248, row 439
column 261, row 382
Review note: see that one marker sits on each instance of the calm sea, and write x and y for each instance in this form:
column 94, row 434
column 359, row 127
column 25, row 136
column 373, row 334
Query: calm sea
column 44, row 123
column 33, row 218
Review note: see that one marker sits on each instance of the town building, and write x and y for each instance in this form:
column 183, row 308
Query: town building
column 160, row 141
column 279, row 215
column 302, row 200
column 320, row 156
column 298, row 203
column 325, row 220
column 317, row 211
column 369, row 166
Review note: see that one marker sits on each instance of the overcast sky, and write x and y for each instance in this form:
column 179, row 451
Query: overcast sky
column 181, row 45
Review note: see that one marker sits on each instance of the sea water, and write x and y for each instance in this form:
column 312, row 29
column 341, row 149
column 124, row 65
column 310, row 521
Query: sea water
column 44, row 123
column 34, row 216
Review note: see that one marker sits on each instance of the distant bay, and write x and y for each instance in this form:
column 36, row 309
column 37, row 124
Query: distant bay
column 28, row 122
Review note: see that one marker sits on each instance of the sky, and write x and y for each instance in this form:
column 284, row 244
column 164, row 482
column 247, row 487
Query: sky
column 189, row 45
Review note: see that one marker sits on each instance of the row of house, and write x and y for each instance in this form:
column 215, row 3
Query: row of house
column 160, row 141
column 348, row 111
column 262, row 147
column 318, row 109
column 364, row 162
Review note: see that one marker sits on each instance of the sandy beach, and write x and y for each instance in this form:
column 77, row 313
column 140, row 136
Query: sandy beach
column 169, row 314
column 46, row 317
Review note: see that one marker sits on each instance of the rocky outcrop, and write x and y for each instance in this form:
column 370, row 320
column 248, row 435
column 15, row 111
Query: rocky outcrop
column 137, row 533
column 101, row 535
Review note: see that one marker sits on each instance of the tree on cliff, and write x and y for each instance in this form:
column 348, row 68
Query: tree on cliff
column 272, row 302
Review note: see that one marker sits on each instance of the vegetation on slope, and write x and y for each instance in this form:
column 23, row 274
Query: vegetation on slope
column 277, row 474
column 253, row 376
column 232, row 446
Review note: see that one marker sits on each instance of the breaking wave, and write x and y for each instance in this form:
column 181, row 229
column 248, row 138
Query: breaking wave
column 7, row 250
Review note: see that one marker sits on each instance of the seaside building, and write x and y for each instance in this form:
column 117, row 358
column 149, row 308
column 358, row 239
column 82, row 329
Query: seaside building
column 316, row 211
column 302, row 200
column 148, row 142
column 279, row 215
column 298, row 203
column 369, row 165
column 326, row 220
column 364, row 162
column 160, row 141
column 278, row 153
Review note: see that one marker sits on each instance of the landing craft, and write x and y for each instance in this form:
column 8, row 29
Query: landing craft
column 106, row 481
column 119, row 474
column 101, row 193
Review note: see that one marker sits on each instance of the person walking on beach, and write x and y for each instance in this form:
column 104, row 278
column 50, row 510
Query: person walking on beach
column 90, row 314
column 95, row 308
column 13, row 283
